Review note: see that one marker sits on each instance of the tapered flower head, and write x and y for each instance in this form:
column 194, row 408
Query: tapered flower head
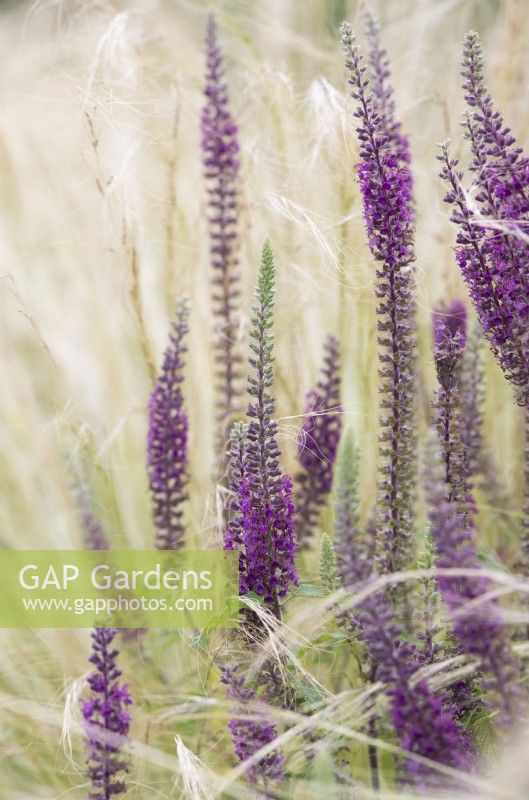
column 318, row 441
column 167, row 441
column 491, row 243
column 264, row 528
column 355, row 547
column 106, row 719
column 477, row 620
column 422, row 723
column 385, row 182
column 220, row 149
column 249, row 735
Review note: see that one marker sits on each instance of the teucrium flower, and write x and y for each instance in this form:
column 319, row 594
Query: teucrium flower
column 386, row 187
column 106, row 719
column 477, row 621
column 354, row 547
column 318, row 444
column 491, row 247
column 329, row 575
column 93, row 533
column 221, row 168
column 422, row 725
column 264, row 530
column 449, row 323
column 167, row 440
column 249, row 735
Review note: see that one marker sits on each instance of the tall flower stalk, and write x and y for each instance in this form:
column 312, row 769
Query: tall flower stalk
column 249, row 735
column 491, row 243
column 167, row 439
column 220, row 149
column 449, row 323
column 106, row 719
column 264, row 528
column 423, row 725
column 318, row 441
column 386, row 186
column 472, row 395
column 94, row 535
column 354, row 546
column 477, row 620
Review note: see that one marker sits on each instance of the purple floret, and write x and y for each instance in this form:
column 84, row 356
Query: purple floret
column 220, row 149
column 318, row 442
column 167, row 440
column 385, row 182
column 106, row 719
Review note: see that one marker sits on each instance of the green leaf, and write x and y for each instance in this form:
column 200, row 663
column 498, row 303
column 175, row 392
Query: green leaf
column 310, row 590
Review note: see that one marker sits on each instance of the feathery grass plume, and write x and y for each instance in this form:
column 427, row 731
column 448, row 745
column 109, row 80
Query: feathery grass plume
column 423, row 725
column 449, row 324
column 221, row 169
column 265, row 528
column 106, row 719
column 167, row 439
column 249, row 735
column 386, row 186
column 318, row 441
column 477, row 621
column 354, row 548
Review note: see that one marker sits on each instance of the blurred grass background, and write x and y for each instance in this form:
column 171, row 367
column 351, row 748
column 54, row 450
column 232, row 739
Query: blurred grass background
column 102, row 225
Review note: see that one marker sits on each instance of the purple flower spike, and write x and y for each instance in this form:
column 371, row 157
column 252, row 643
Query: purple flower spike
column 423, row 726
column 477, row 622
column 264, row 527
column 249, row 735
column 221, row 169
column 93, row 533
column 106, row 719
column 354, row 545
column 385, row 182
column 449, row 323
column 167, row 441
column 491, row 243
column 450, row 319
column 318, row 442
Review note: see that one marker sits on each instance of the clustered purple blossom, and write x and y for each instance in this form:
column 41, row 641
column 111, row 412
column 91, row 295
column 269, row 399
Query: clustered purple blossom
column 477, row 620
column 490, row 246
column 167, row 440
column 252, row 731
column 386, row 186
column 424, row 726
column 264, row 530
column 318, row 441
column 220, row 149
column 106, row 719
